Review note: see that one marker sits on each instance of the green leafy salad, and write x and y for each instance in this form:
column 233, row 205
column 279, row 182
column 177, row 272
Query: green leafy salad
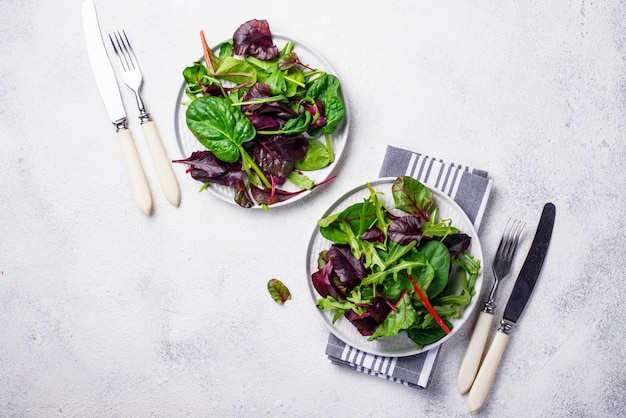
column 393, row 270
column 262, row 116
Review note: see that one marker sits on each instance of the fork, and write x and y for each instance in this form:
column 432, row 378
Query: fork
column 133, row 78
column 501, row 268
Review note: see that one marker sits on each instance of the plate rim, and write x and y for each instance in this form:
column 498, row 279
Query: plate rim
column 362, row 344
column 343, row 129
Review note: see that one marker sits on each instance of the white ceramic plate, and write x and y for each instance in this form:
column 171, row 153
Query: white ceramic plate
column 187, row 142
column 399, row 345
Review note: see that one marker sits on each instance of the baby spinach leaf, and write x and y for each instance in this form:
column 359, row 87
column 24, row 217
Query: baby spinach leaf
column 439, row 258
column 326, row 90
column 194, row 73
column 316, row 156
column 219, row 126
column 428, row 334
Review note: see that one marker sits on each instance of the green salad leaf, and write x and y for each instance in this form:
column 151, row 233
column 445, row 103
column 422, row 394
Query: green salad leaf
column 418, row 274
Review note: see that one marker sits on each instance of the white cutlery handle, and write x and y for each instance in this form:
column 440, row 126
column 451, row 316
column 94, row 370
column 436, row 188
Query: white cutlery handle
column 162, row 163
column 487, row 372
column 474, row 353
column 134, row 169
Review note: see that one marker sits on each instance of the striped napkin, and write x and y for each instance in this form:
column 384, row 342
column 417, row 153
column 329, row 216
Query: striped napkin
column 470, row 189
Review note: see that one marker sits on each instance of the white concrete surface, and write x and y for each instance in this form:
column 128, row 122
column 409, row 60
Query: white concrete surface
column 105, row 312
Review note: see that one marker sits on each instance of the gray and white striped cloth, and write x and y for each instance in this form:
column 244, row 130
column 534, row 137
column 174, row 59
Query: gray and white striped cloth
column 468, row 187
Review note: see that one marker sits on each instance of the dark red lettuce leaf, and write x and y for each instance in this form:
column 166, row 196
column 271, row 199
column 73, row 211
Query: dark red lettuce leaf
column 375, row 314
column 254, row 38
column 212, row 90
column 405, row 229
column 288, row 61
column 206, row 167
column 259, row 90
column 242, row 197
column 457, row 243
column 373, row 235
column 365, row 324
column 277, row 110
column 265, row 196
column 324, row 281
column 314, row 110
column 290, row 148
column 379, row 308
column 340, row 272
column 272, row 164
column 262, row 122
column 349, row 268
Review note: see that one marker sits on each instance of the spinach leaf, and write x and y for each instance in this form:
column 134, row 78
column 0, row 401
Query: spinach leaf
column 326, row 90
column 194, row 73
column 297, row 125
column 316, row 156
column 428, row 334
column 439, row 258
column 219, row 126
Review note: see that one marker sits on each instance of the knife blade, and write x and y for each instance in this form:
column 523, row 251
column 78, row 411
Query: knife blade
column 518, row 300
column 110, row 93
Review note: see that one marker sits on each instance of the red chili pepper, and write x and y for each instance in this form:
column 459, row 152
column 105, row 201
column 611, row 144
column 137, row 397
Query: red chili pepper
column 429, row 307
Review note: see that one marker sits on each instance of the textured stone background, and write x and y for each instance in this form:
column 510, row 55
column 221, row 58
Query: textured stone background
column 106, row 312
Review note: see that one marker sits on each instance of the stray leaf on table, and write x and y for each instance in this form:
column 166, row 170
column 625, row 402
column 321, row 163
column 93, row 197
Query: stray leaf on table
column 279, row 291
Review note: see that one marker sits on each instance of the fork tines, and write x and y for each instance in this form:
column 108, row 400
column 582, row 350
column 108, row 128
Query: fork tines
column 510, row 238
column 123, row 50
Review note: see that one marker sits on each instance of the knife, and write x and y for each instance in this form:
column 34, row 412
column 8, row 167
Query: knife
column 110, row 93
column 520, row 294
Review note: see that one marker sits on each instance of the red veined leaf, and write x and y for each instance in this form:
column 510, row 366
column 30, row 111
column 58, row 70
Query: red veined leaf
column 278, row 291
column 429, row 307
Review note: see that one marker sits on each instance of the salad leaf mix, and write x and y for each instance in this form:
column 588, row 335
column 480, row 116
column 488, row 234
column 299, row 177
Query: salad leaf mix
column 393, row 270
column 263, row 116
